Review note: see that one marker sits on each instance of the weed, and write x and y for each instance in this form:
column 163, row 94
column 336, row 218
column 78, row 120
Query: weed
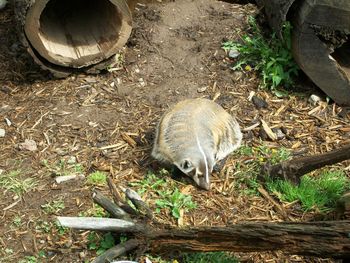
column 247, row 172
column 95, row 211
column 174, row 200
column 100, row 244
column 272, row 58
column 17, row 221
column 61, row 230
column 12, row 182
column 63, row 167
column 314, row 193
column 53, row 207
column 97, row 178
column 43, row 226
column 170, row 197
column 212, row 257
column 29, row 259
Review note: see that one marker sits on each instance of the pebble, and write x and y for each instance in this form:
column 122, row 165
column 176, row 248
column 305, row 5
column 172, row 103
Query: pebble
column 2, row 133
column 72, row 160
column 259, row 102
column 8, row 122
column 29, row 145
column 314, row 99
column 233, row 53
column 279, row 133
column 201, row 90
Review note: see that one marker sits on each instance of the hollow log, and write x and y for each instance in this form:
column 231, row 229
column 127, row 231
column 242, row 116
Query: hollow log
column 66, row 36
column 293, row 169
column 320, row 40
column 321, row 239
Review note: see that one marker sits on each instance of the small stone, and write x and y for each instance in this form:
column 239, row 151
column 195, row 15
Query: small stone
column 314, row 99
column 259, row 102
column 279, row 133
column 233, row 53
column 72, row 160
column 201, row 90
column 82, row 254
column 29, row 145
column 2, row 133
column 1, row 171
column 8, row 122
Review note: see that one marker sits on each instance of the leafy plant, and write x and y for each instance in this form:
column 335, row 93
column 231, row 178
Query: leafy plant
column 271, row 58
column 53, row 207
column 171, row 197
column 212, row 257
column 314, row 193
column 174, row 200
column 12, row 182
column 247, row 171
column 97, row 178
column 63, row 167
column 100, row 244
column 29, row 259
column 95, row 211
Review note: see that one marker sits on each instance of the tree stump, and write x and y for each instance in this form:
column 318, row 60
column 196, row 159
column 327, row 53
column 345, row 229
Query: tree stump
column 70, row 36
column 320, row 40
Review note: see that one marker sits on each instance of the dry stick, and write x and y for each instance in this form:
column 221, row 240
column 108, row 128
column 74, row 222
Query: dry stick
column 117, row 197
column 277, row 206
column 116, row 251
column 109, row 206
column 295, row 168
column 100, row 224
column 138, row 202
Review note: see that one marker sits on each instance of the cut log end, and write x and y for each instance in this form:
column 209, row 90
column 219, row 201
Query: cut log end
column 76, row 34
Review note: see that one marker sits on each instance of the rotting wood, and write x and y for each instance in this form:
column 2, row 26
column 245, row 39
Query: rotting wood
column 322, row 239
column 293, row 169
column 320, row 40
column 65, row 42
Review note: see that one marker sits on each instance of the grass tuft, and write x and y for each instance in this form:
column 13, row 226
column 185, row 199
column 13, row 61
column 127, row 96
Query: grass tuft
column 271, row 57
column 12, row 182
column 97, row 178
column 314, row 193
column 212, row 257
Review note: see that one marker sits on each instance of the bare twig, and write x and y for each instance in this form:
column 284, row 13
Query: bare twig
column 117, row 251
column 277, row 206
column 138, row 202
column 107, row 204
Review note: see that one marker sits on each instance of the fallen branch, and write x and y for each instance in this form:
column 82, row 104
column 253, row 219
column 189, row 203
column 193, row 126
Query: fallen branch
column 321, row 239
column 293, row 169
column 109, row 206
column 116, row 251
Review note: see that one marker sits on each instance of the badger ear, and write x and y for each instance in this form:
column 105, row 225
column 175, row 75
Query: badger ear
column 186, row 164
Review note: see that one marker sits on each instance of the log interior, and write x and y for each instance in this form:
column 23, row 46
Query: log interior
column 75, row 33
column 342, row 56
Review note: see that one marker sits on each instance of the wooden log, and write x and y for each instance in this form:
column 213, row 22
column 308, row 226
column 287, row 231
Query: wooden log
column 68, row 36
column 321, row 46
column 321, row 239
column 320, row 40
column 293, row 169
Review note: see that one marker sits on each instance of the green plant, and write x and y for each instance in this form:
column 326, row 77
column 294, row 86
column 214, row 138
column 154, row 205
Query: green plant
column 95, row 211
column 272, row 58
column 12, row 182
column 169, row 195
column 314, row 192
column 212, row 257
column 29, row 259
column 247, row 172
column 97, row 178
column 17, row 221
column 63, row 167
column 174, row 200
column 53, row 207
column 100, row 244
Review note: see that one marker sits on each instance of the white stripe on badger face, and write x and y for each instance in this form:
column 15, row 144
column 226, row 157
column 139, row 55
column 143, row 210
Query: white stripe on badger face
column 205, row 160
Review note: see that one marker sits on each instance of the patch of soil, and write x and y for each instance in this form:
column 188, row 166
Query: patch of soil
column 174, row 53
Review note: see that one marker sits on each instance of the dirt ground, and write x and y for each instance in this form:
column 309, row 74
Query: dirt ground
column 174, row 53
